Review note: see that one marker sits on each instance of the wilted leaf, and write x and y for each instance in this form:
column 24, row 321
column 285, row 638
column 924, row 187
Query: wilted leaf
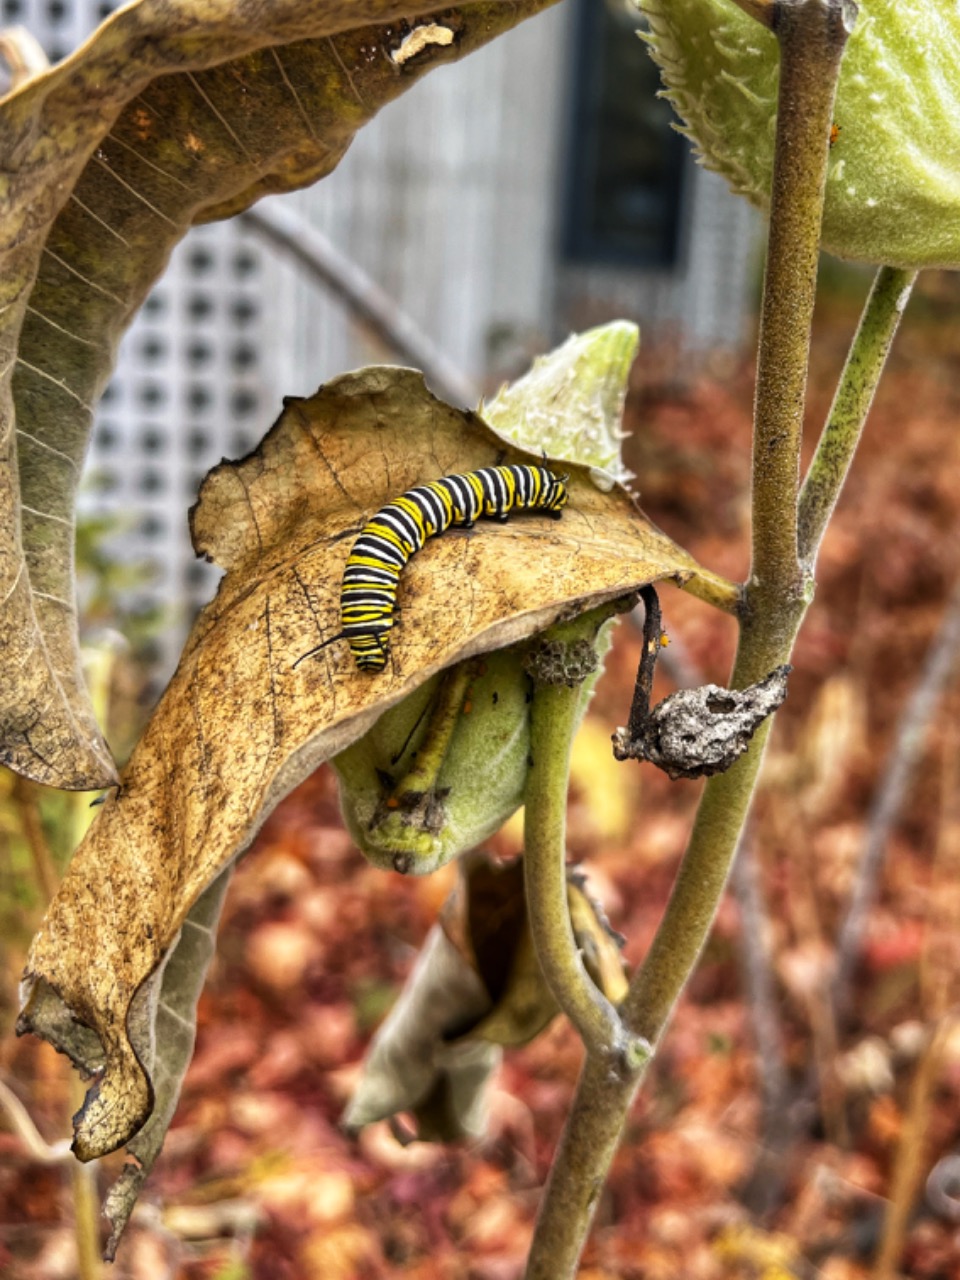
column 240, row 725
column 476, row 985
column 444, row 768
column 412, row 1066
column 174, row 1032
column 175, row 112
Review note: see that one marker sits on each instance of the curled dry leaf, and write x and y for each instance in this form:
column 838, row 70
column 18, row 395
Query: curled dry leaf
column 240, row 725
column 476, row 986
column 174, row 1033
column 175, row 112
column 695, row 733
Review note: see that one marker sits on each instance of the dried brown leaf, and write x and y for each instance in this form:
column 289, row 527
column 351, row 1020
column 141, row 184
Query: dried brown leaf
column 240, row 724
column 476, row 986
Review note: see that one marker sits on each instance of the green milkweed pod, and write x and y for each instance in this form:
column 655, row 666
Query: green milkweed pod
column 893, row 184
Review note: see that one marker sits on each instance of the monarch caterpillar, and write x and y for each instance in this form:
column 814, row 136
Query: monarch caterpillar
column 368, row 593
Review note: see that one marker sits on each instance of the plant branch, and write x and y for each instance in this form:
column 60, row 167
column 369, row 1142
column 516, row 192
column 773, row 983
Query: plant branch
column 553, row 717
column 912, row 1152
column 37, row 1147
column 812, row 37
column 25, row 798
column 858, row 382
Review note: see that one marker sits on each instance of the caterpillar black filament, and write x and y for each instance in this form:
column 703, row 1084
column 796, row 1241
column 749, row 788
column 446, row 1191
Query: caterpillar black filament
column 368, row 594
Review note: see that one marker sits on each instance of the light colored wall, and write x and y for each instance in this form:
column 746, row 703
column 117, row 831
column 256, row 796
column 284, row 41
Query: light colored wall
column 447, row 199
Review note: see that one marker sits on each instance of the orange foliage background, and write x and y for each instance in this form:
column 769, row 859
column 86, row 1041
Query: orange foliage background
column 257, row 1180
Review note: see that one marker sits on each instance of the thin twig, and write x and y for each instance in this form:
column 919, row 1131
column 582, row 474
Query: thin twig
column 25, row 798
column 912, row 1151
column 372, row 305
column 762, row 1009
column 891, row 791
column 649, row 652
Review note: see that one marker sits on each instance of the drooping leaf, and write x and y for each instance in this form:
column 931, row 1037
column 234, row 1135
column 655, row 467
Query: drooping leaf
column 174, row 1033
column 477, row 985
column 175, row 112
column 240, row 725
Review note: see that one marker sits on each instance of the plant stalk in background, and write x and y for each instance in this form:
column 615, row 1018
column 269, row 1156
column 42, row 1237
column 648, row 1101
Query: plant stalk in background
column 812, row 35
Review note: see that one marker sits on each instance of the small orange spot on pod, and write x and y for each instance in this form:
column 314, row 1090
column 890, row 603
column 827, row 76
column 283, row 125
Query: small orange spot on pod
column 834, row 134
column 393, row 803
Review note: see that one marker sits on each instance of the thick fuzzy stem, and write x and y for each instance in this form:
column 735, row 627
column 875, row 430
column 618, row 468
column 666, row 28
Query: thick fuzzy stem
column 812, row 36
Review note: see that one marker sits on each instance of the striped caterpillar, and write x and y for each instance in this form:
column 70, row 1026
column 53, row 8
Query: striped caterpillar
column 368, row 593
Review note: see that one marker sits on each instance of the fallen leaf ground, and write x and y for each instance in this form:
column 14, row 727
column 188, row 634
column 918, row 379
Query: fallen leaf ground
column 257, row 1181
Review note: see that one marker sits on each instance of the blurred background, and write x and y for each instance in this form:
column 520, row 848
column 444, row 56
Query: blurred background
column 496, row 209
column 536, row 189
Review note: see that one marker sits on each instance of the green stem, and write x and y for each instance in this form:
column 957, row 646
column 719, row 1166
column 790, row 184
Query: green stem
column 812, row 36
column 445, row 708
column 703, row 873
column 590, row 1139
column 858, row 382
column 553, row 718
column 714, row 589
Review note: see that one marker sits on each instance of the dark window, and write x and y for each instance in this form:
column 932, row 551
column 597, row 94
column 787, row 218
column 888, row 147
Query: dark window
column 625, row 168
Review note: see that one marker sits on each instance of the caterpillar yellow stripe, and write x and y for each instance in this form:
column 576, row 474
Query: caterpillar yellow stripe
column 399, row 530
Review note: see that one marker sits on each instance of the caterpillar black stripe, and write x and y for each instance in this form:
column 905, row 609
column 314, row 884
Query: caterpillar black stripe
column 368, row 594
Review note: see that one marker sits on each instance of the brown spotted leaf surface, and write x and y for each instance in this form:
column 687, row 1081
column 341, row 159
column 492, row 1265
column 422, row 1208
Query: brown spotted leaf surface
column 240, row 724
column 175, row 112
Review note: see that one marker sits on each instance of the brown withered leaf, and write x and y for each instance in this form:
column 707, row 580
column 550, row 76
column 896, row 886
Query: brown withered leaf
column 413, row 1064
column 477, row 986
column 240, row 725
column 174, row 1032
column 175, row 112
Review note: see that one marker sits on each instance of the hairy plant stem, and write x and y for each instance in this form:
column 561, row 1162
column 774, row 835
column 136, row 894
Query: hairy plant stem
column 713, row 588
column 851, row 404
column 812, row 36
column 444, row 712
column 553, row 717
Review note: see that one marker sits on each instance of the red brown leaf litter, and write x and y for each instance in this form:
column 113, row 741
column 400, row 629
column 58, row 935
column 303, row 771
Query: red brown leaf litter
column 258, row 1181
